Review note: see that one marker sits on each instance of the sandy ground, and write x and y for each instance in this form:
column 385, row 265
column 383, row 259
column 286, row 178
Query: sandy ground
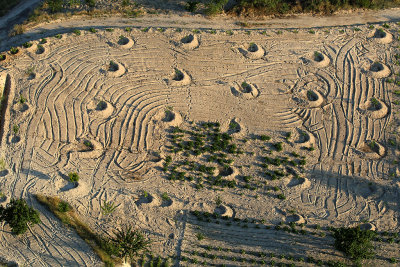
column 325, row 95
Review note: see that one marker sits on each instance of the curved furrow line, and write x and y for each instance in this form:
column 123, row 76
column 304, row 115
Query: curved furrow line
column 60, row 107
column 139, row 115
column 126, row 114
column 322, row 143
column 80, row 108
column 70, row 47
column 53, row 79
column 352, row 114
column 334, row 133
column 35, row 92
column 72, row 102
column 144, row 127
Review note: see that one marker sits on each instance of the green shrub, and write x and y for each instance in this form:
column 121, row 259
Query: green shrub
column 129, row 242
column 278, row 146
column 191, row 6
column 108, row 207
column 73, row 177
column 14, row 50
column 63, row 206
column 354, row 242
column 90, row 3
column 55, row 5
column 19, row 215
column 27, row 44
column 214, row 7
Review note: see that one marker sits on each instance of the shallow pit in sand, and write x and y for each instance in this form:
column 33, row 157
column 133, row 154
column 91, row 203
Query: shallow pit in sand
column 190, row 41
column 378, row 70
column 245, row 90
column 381, row 36
column 179, row 78
column 125, row 42
column 252, row 51
column 372, row 149
column 115, row 69
column 314, row 98
column 374, row 108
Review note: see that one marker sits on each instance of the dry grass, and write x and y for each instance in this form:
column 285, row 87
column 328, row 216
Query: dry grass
column 70, row 219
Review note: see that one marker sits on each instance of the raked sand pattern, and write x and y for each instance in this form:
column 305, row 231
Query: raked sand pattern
column 317, row 86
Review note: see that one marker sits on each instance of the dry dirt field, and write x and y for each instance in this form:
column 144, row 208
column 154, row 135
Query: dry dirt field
column 180, row 128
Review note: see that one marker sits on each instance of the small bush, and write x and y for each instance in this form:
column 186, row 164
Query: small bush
column 278, row 146
column 73, row 177
column 77, row 32
column 19, row 215
column 129, row 242
column 55, row 5
column 14, row 50
column 354, row 242
column 191, row 6
column 214, row 7
column 108, row 207
column 27, row 44
column 265, row 137
column 15, row 129
column 200, row 236
column 90, row 3
column 63, row 206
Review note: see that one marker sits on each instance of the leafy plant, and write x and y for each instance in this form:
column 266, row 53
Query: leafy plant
column 2, row 164
column 200, row 236
column 165, row 196
column 214, row 7
column 15, row 129
column 375, row 103
column 58, row 36
column 27, row 44
column 88, row 144
column 130, row 242
column 63, row 206
column 90, row 3
column 92, row 30
column 354, row 242
column 218, row 201
column 191, row 6
column 19, row 215
column 77, row 32
column 278, row 146
column 109, row 30
column 265, row 137
column 22, row 100
column 2, row 57
column 14, row 50
column 73, row 177
column 128, row 29
column 107, row 207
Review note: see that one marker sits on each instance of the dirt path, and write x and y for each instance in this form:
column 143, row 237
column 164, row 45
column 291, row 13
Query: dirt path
column 184, row 20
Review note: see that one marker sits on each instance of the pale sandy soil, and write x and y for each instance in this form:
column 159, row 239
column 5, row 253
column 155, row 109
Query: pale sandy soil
column 328, row 99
